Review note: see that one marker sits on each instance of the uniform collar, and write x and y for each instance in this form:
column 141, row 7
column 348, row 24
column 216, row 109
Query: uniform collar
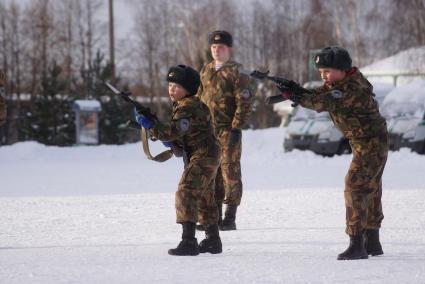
column 229, row 63
column 185, row 100
column 351, row 74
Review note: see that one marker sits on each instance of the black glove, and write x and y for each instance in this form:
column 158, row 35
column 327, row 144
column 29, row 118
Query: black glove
column 295, row 98
column 235, row 136
column 294, row 91
column 287, row 94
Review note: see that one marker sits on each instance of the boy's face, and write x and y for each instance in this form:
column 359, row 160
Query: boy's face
column 220, row 52
column 176, row 92
column 330, row 75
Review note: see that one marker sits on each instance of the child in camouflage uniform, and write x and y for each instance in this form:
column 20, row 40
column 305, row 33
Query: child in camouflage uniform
column 225, row 90
column 2, row 98
column 190, row 126
column 349, row 99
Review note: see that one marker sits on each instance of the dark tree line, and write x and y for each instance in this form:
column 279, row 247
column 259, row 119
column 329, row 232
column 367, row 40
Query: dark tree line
column 53, row 51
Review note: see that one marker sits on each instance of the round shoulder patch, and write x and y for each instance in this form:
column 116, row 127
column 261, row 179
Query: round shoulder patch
column 183, row 125
column 246, row 94
column 337, row 94
column 2, row 92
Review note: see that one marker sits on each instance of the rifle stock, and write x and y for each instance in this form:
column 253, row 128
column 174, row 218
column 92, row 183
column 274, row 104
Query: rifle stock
column 283, row 84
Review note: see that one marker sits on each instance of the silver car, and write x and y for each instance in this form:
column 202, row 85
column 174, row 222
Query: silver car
column 329, row 140
column 404, row 109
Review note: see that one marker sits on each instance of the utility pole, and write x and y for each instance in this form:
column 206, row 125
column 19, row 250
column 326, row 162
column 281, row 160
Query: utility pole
column 111, row 38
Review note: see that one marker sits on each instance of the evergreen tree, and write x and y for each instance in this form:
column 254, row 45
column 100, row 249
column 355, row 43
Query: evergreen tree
column 50, row 120
column 114, row 111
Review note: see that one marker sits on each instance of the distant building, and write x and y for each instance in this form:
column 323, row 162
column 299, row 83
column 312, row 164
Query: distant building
column 398, row 69
column 87, row 121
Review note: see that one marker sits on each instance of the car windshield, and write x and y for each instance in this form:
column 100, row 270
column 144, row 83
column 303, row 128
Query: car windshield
column 407, row 100
column 322, row 116
column 404, row 124
column 304, row 114
column 401, row 109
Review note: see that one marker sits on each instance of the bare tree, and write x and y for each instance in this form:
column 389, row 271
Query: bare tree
column 278, row 35
column 65, row 35
column 4, row 37
column 408, row 29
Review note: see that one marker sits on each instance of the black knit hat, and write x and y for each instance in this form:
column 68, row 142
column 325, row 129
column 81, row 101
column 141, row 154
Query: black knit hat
column 333, row 57
column 220, row 37
column 185, row 76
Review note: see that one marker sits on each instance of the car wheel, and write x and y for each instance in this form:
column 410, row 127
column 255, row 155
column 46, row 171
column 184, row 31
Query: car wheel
column 344, row 148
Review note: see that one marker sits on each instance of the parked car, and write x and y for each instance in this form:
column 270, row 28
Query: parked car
column 417, row 143
column 404, row 109
column 330, row 140
column 402, row 130
column 295, row 135
column 309, row 130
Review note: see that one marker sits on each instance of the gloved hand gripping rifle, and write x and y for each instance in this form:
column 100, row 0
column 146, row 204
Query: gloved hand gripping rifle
column 146, row 112
column 285, row 86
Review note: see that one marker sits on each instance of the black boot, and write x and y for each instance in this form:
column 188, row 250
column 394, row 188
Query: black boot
column 355, row 250
column 373, row 245
column 212, row 241
column 228, row 222
column 220, row 212
column 189, row 244
column 201, row 227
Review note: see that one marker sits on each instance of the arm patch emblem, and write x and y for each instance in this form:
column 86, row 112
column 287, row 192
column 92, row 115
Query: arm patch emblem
column 183, row 125
column 246, row 94
column 2, row 92
column 337, row 94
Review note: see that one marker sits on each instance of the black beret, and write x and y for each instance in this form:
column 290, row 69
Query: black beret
column 185, row 76
column 220, row 37
column 333, row 57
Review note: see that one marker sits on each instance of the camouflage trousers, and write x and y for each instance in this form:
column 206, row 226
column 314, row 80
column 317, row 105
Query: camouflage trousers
column 195, row 195
column 228, row 182
column 363, row 184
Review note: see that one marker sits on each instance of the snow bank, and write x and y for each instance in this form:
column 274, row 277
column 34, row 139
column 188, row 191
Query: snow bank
column 290, row 236
column 32, row 169
column 290, row 224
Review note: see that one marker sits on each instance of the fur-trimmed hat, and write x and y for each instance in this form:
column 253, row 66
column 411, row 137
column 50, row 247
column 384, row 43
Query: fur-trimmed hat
column 333, row 57
column 185, row 76
column 220, row 37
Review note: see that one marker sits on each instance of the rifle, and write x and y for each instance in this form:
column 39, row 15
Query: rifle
column 284, row 85
column 146, row 112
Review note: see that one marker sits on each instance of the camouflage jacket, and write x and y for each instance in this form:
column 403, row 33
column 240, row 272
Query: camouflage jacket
column 2, row 98
column 351, row 105
column 227, row 94
column 191, row 127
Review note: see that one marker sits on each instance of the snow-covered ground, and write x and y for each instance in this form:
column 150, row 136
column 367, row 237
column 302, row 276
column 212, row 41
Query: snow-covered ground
column 105, row 214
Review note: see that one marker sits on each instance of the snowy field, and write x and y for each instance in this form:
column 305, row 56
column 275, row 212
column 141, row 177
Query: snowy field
column 105, row 214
